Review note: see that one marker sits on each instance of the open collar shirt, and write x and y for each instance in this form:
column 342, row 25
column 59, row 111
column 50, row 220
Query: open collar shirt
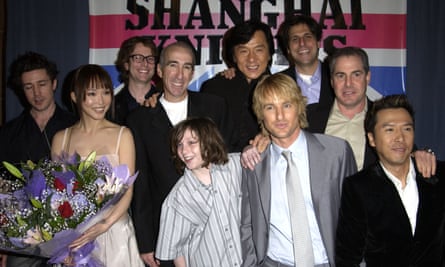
column 310, row 90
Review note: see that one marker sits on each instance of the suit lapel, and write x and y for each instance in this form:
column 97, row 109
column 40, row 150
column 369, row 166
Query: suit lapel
column 262, row 174
column 392, row 197
column 316, row 172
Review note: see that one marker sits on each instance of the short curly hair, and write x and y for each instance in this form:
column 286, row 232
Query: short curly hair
column 26, row 62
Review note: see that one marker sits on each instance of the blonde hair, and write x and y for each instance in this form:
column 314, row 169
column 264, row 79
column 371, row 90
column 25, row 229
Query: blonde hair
column 281, row 86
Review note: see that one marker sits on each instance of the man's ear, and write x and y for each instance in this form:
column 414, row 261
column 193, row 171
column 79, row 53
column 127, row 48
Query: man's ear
column 371, row 139
column 54, row 84
column 73, row 97
column 159, row 70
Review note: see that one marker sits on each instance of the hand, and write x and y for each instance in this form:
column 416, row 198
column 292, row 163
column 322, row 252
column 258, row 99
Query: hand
column 151, row 101
column 149, row 259
column 3, row 258
column 229, row 74
column 251, row 155
column 261, row 142
column 425, row 162
column 89, row 235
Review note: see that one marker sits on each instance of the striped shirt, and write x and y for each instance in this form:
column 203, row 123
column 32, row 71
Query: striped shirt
column 201, row 222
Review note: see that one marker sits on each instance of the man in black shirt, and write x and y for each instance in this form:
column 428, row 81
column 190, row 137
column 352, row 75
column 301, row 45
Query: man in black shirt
column 29, row 136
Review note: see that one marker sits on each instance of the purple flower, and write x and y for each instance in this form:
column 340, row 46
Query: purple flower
column 22, row 199
column 36, row 184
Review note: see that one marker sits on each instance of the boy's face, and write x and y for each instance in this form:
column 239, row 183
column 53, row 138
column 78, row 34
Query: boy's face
column 189, row 151
column 39, row 89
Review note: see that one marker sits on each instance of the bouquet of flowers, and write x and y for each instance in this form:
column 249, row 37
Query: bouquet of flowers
column 45, row 206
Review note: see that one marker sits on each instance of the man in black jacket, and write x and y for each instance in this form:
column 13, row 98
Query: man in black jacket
column 299, row 40
column 390, row 215
column 248, row 48
column 151, row 129
column 29, row 136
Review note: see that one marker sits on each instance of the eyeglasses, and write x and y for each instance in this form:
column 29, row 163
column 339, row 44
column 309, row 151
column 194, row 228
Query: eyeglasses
column 140, row 58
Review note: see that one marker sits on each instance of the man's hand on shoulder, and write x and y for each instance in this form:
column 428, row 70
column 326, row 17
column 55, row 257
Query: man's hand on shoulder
column 251, row 154
column 425, row 162
column 151, row 101
column 229, row 74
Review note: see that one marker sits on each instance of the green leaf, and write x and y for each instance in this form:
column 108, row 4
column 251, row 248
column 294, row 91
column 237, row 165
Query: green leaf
column 20, row 221
column 90, row 159
column 31, row 164
column 46, row 235
column 13, row 170
column 36, row 203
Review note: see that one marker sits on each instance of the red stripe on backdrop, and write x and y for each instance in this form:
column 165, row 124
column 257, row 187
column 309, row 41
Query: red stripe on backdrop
column 382, row 31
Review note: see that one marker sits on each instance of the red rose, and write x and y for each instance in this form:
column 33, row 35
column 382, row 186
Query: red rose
column 3, row 219
column 76, row 186
column 58, row 184
column 66, row 210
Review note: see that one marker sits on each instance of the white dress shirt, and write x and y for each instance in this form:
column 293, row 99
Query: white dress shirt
column 408, row 194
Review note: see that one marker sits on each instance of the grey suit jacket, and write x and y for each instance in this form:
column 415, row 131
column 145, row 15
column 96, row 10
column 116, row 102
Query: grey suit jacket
column 330, row 160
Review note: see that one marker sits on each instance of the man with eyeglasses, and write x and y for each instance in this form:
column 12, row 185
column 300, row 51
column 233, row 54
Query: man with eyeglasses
column 136, row 63
column 29, row 136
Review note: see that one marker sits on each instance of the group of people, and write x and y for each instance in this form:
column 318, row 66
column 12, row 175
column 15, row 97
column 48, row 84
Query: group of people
column 301, row 136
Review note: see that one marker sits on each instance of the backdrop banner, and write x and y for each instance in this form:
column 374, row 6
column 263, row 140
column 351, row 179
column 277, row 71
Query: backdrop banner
column 378, row 26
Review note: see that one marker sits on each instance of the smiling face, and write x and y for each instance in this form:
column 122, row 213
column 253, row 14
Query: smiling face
column 303, row 47
column 393, row 137
column 96, row 103
column 39, row 89
column 189, row 151
column 176, row 71
column 140, row 72
column 350, row 80
column 252, row 58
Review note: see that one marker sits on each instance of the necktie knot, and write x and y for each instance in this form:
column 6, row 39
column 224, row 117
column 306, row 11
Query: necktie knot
column 287, row 154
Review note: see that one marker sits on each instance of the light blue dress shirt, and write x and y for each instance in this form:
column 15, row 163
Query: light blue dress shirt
column 280, row 238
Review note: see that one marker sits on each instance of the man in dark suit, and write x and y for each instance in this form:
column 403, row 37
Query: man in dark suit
column 323, row 161
column 350, row 77
column 390, row 215
column 248, row 48
column 299, row 40
column 151, row 128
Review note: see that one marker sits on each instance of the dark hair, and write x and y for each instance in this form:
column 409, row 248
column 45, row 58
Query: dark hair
column 241, row 34
column 26, row 62
column 288, row 23
column 91, row 75
column 347, row 52
column 125, row 51
column 213, row 149
column 387, row 102
column 179, row 44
